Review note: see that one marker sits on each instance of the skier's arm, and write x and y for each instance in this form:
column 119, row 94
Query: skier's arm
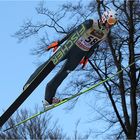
column 84, row 60
column 93, row 48
column 91, row 51
column 87, row 23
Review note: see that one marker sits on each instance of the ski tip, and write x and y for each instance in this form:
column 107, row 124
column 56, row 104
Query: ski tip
column 2, row 131
column 7, row 129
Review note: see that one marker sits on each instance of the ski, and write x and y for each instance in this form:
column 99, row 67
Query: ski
column 58, row 104
column 70, row 98
column 49, row 66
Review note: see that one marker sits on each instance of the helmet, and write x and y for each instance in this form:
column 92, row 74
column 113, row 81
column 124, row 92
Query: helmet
column 110, row 17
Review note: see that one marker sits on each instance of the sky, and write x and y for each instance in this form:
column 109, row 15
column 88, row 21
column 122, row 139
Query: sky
column 16, row 61
column 17, row 64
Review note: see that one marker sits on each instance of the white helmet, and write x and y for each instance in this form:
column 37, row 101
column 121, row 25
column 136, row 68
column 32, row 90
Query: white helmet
column 110, row 17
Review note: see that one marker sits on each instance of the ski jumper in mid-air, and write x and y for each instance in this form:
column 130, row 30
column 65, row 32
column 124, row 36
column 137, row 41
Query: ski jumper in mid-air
column 82, row 49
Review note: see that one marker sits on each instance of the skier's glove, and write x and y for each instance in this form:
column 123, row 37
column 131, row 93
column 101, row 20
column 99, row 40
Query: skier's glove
column 54, row 45
column 84, row 61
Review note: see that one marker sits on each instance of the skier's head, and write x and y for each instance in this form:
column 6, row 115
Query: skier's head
column 109, row 18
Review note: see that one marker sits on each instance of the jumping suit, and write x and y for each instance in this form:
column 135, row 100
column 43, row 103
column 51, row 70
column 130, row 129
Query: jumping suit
column 83, row 47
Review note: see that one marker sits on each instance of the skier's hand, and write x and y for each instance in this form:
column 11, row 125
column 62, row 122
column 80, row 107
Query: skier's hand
column 84, row 61
column 54, row 45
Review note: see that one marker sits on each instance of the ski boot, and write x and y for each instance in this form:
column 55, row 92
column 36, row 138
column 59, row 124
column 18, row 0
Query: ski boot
column 46, row 104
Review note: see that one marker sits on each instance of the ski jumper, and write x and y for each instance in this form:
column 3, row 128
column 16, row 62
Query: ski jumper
column 84, row 46
column 80, row 43
column 67, row 43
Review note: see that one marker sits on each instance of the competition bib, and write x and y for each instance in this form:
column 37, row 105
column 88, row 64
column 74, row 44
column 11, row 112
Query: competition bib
column 90, row 38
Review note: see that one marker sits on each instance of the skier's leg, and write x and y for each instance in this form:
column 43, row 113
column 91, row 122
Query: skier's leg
column 55, row 82
column 36, row 73
column 71, row 63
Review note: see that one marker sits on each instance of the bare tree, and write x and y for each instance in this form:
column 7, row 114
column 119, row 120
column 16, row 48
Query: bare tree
column 37, row 128
column 77, row 135
column 120, row 49
column 40, row 127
